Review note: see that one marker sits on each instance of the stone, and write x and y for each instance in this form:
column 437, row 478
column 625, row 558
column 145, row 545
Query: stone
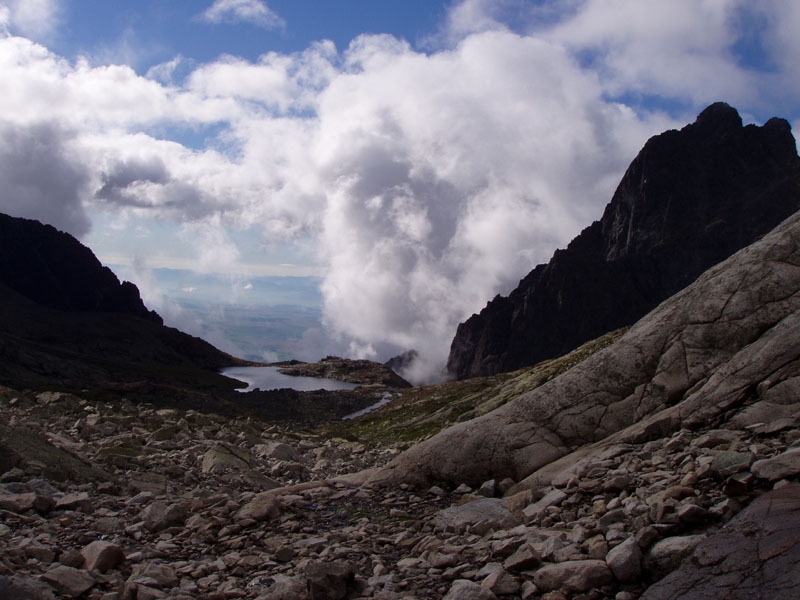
column 525, row 558
column 223, row 457
column 159, row 515
column 263, row 507
column 625, row 561
column 102, row 556
column 480, row 516
column 778, row 467
column 755, row 555
column 20, row 587
column 69, row 582
column 573, row 576
column 463, row 589
column 78, row 501
column 726, row 463
column 329, row 581
column 501, row 583
column 667, row 554
column 535, row 511
column 276, row 451
column 153, row 575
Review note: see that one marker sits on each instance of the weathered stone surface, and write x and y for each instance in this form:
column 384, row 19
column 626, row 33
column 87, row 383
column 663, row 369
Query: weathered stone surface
column 153, row 575
column 667, row 554
column 24, row 588
column 328, row 581
column 222, row 457
column 625, row 561
column 463, row 589
column 262, row 507
column 480, row 516
column 102, row 556
column 686, row 362
column 573, row 576
column 755, row 555
column 160, row 515
column 778, row 467
column 69, row 582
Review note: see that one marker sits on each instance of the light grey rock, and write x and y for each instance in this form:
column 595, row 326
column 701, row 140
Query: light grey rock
column 159, row 515
column 666, row 555
column 69, row 582
column 784, row 465
column 262, row 507
column 102, row 556
column 223, row 457
column 729, row 463
column 688, row 361
column 463, row 589
column 502, row 583
column 480, row 516
column 20, row 587
column 625, row 561
column 573, row 576
column 535, row 511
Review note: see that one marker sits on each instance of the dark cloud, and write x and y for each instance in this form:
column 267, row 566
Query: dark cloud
column 41, row 178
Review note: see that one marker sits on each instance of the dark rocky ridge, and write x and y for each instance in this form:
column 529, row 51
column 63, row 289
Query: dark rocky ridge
column 65, row 319
column 690, row 199
column 53, row 269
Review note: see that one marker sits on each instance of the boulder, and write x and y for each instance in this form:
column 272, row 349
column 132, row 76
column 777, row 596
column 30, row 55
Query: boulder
column 694, row 357
column 784, row 465
column 102, row 556
column 755, row 555
column 463, row 589
column 573, row 576
column 480, row 516
column 69, row 582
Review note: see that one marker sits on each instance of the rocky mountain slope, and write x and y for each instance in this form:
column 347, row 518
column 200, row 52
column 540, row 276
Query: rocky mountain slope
column 624, row 477
column 67, row 320
column 688, row 200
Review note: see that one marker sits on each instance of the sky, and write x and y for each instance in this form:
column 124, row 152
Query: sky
column 418, row 157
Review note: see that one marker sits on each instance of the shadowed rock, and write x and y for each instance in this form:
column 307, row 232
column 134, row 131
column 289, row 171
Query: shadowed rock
column 690, row 199
column 756, row 555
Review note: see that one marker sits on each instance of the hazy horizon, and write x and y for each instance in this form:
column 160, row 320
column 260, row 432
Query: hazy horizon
column 417, row 157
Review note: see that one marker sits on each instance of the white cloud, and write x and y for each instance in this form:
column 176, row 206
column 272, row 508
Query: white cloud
column 426, row 182
column 37, row 19
column 254, row 12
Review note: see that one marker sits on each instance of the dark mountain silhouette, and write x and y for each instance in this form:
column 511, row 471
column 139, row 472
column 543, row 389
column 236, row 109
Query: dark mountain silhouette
column 690, row 199
column 52, row 268
column 66, row 319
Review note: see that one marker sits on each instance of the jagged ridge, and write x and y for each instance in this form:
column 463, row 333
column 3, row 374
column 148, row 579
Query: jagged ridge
column 690, row 199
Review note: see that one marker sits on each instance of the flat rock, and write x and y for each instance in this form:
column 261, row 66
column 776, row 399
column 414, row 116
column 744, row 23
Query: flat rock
column 755, row 555
column 463, row 589
column 573, row 576
column 480, row 516
column 19, row 587
column 69, row 582
column 784, row 465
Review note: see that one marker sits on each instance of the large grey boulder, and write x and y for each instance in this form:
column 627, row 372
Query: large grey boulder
column 700, row 353
column 756, row 555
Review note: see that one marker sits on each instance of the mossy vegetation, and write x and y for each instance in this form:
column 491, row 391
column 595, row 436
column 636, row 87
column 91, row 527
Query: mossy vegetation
column 418, row 413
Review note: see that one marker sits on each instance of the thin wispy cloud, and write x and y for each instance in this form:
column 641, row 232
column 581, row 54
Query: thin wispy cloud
column 254, row 12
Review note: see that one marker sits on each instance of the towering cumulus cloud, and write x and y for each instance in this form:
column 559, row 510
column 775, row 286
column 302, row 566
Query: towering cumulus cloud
column 424, row 182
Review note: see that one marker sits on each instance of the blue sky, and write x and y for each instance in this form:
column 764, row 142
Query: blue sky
column 416, row 157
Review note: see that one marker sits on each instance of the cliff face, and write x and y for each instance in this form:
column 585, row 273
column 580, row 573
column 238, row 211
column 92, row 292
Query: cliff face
column 66, row 319
column 690, row 199
column 53, row 269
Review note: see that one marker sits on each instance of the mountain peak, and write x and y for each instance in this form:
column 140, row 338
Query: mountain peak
column 689, row 199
